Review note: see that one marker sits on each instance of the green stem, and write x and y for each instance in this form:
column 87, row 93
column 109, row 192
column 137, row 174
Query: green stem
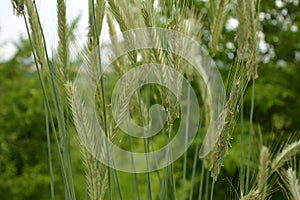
column 49, row 153
column 185, row 145
column 41, row 79
column 250, row 136
column 201, row 182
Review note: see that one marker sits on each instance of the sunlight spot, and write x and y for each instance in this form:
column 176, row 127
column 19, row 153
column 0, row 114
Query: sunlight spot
column 279, row 3
column 294, row 28
column 232, row 24
column 155, row 4
column 230, row 45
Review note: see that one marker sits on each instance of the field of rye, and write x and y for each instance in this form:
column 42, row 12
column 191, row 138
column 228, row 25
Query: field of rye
column 171, row 105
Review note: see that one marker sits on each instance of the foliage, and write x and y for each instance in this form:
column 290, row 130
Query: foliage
column 22, row 125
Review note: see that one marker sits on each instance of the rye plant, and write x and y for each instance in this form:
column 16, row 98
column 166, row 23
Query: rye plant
column 64, row 110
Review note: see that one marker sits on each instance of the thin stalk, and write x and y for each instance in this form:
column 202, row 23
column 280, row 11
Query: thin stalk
column 58, row 107
column 114, row 186
column 250, row 136
column 148, row 119
column 118, row 184
column 201, row 182
column 156, row 161
column 48, row 110
column 212, row 190
column 69, row 163
column 242, row 176
column 185, row 144
column 134, row 176
column 49, row 153
column 146, row 148
column 172, row 167
column 206, row 185
column 165, row 180
column 196, row 158
column 164, row 183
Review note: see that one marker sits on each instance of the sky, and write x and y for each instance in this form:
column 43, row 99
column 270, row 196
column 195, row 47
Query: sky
column 13, row 27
